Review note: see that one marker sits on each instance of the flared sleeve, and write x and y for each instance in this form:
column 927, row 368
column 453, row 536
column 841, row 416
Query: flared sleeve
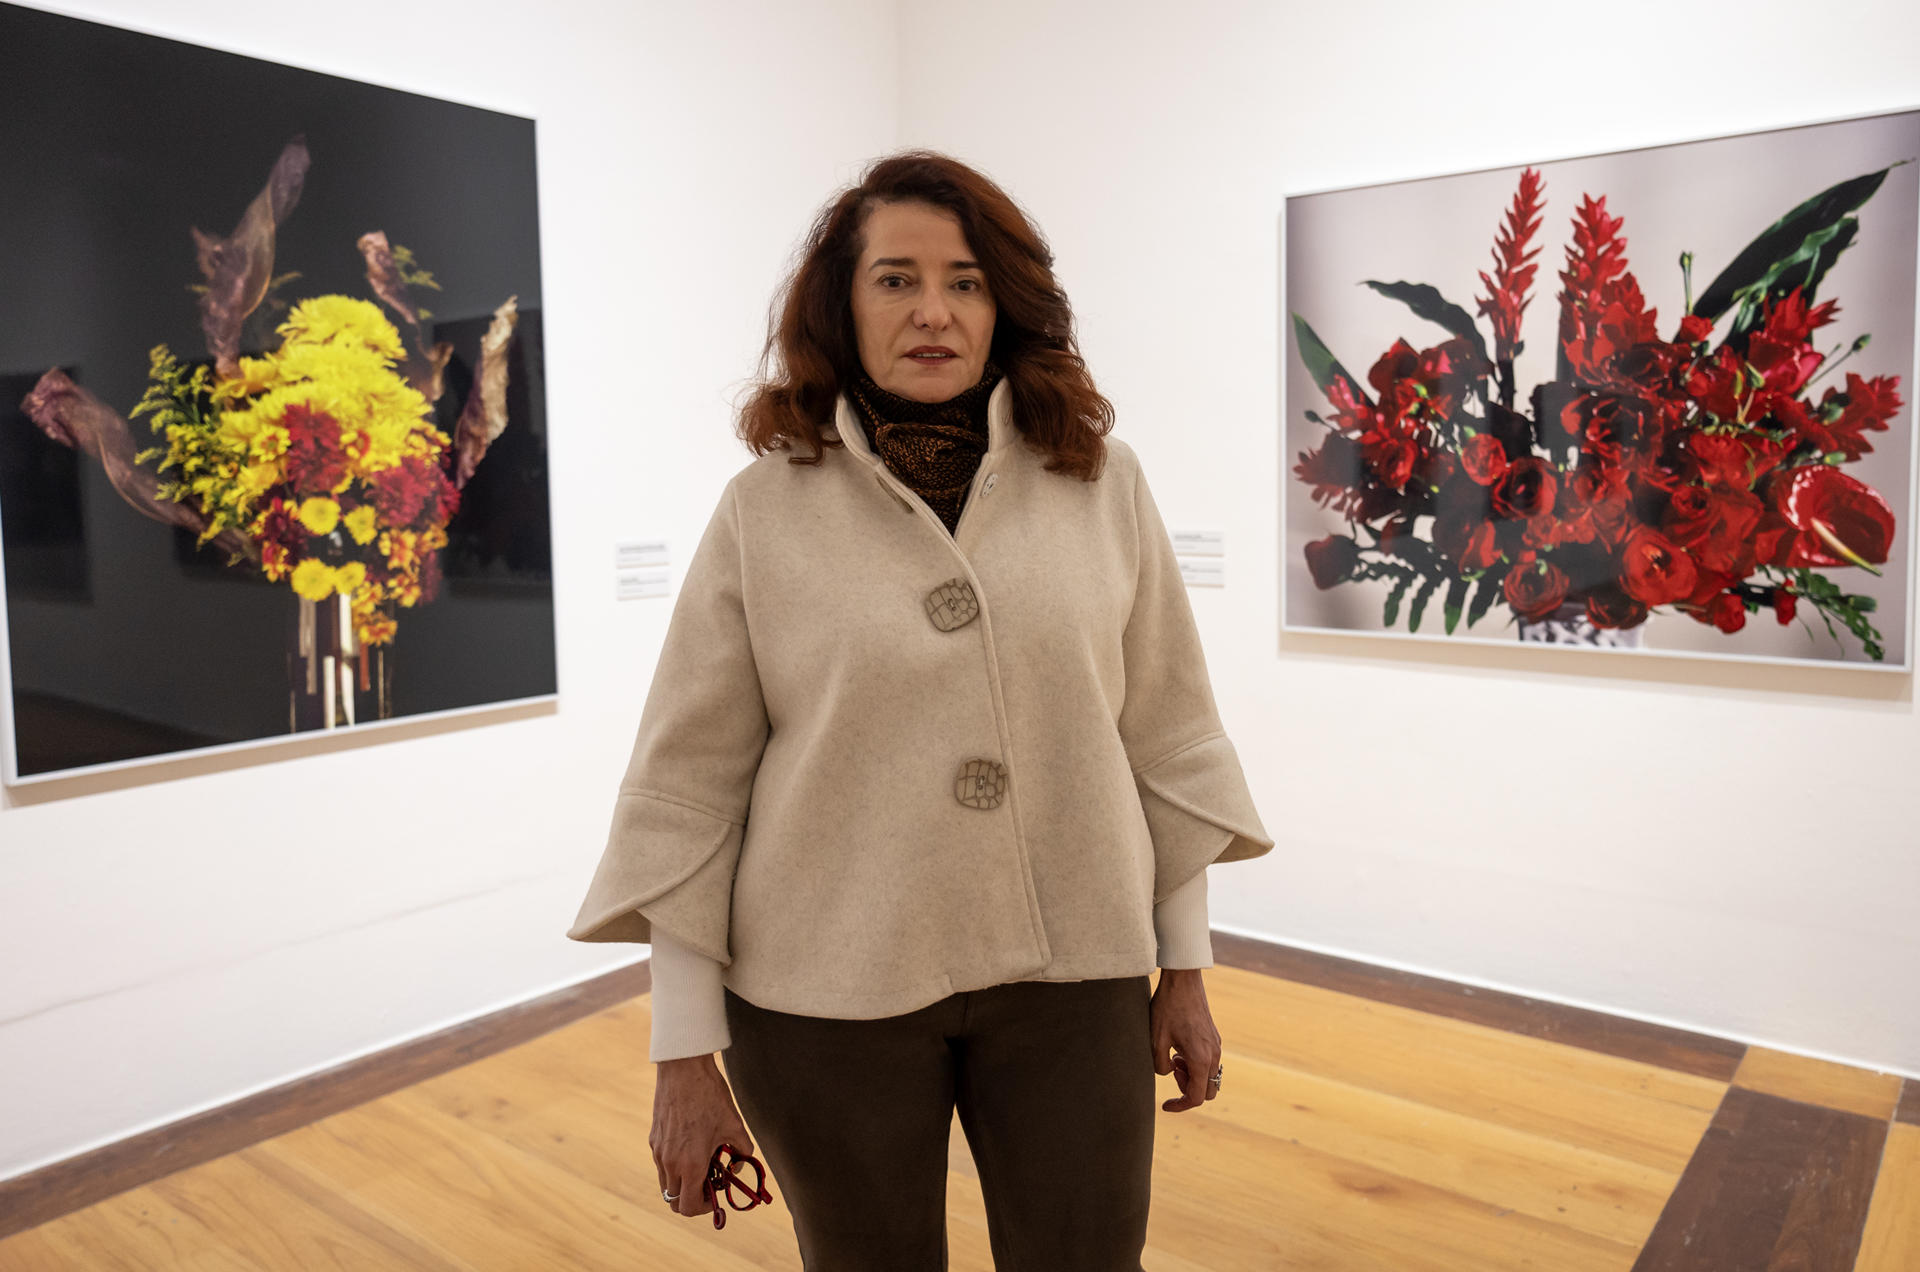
column 681, row 810
column 1192, row 789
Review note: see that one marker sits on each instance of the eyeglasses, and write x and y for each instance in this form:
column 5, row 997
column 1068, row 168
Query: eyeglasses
column 723, row 1178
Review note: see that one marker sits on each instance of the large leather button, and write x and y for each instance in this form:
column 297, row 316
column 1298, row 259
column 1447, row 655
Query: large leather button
column 952, row 605
column 982, row 784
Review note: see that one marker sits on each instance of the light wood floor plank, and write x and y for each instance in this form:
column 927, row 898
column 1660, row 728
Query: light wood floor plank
column 1237, row 1199
column 1822, row 1082
column 1603, row 1196
column 473, row 1199
column 1622, row 1108
column 1891, row 1242
column 136, row 1231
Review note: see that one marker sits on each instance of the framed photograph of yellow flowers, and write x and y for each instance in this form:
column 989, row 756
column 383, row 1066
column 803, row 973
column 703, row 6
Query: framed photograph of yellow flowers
column 272, row 414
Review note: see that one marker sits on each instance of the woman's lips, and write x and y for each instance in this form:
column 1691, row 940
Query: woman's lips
column 933, row 357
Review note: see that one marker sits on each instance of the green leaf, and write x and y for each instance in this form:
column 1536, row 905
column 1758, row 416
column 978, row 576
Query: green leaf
column 1427, row 302
column 1418, row 606
column 1786, row 239
column 1456, row 601
column 1392, row 612
column 1485, row 594
column 1321, row 364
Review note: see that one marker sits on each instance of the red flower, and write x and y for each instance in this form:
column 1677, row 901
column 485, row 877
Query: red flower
column 1717, row 527
column 1693, row 330
column 1527, row 489
column 1838, row 520
column 316, row 457
column 1334, row 471
column 1603, row 316
column 1727, row 613
column 1513, row 270
column 1468, row 538
column 1610, row 607
column 1866, row 405
column 1535, row 589
column 1331, row 560
column 1655, row 570
column 1392, row 459
column 1783, row 605
column 1734, row 461
column 1483, row 459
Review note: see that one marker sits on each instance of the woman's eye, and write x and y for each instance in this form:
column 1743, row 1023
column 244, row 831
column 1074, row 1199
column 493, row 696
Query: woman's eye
column 968, row 284
column 890, row 281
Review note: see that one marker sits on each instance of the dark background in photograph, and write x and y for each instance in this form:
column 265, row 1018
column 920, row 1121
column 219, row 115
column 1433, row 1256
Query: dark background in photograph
column 124, row 640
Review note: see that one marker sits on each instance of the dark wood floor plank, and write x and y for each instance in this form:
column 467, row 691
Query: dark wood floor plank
column 32, row 1199
column 1909, row 1110
column 1698, row 1054
column 1775, row 1186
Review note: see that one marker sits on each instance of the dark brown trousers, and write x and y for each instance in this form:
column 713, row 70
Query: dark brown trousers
column 1054, row 1084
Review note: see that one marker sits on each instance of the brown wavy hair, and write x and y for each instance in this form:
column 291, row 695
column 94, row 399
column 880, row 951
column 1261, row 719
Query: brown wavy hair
column 811, row 351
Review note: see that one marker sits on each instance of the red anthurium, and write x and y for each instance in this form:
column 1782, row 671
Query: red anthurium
column 1840, row 520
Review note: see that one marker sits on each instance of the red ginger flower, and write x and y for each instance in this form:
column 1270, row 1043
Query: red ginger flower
column 1603, row 316
column 1513, row 269
column 1865, row 405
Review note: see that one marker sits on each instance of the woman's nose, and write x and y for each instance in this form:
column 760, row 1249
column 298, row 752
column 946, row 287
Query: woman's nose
column 932, row 313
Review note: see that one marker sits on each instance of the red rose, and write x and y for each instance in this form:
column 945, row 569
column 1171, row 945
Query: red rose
column 1717, row 527
column 1841, row 521
column 1655, row 570
column 1783, row 605
column 1484, row 459
column 1467, row 538
column 1610, row 607
column 1535, row 590
column 1694, row 330
column 1331, row 560
column 1727, row 613
column 1392, row 459
column 1527, row 489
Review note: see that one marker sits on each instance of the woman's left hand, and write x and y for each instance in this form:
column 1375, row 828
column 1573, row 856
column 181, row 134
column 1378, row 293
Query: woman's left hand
column 1183, row 1024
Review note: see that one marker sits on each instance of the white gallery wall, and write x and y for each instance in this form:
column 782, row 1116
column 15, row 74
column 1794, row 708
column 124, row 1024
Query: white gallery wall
column 175, row 939
column 1727, row 847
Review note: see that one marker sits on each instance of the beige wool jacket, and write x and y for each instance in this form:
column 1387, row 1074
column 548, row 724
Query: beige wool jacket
column 880, row 763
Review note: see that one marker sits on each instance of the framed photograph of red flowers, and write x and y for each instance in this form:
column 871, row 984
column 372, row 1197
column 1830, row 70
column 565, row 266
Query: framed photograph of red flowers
column 272, row 422
column 1656, row 401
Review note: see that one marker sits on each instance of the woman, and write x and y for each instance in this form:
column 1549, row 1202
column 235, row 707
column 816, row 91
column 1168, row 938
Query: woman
column 930, row 771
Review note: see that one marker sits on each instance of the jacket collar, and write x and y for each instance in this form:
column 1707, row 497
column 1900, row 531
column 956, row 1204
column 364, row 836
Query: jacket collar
column 1000, row 430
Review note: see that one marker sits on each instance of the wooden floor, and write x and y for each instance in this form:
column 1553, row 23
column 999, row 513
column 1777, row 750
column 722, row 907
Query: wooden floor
column 1352, row 1135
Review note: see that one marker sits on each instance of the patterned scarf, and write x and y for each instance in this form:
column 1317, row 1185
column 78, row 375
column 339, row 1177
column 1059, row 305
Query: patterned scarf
column 934, row 448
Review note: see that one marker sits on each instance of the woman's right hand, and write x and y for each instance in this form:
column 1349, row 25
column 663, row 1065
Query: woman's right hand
column 693, row 1114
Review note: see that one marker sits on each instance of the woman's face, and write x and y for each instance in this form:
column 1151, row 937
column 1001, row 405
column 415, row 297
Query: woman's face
column 921, row 311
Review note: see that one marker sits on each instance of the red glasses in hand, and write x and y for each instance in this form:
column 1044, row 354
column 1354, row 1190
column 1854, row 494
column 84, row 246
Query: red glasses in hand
column 723, row 1178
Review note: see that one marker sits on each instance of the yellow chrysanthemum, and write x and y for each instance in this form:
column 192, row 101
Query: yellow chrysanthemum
column 319, row 515
column 313, row 579
column 350, row 578
column 331, row 318
column 360, row 523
